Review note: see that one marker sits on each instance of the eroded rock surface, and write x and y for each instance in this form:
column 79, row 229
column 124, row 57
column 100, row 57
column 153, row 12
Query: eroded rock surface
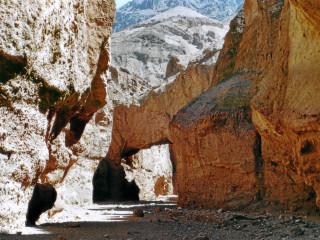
column 215, row 148
column 152, row 171
column 266, row 50
column 52, row 55
column 286, row 109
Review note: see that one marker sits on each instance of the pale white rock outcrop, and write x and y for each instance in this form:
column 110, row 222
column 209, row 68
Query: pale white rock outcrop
column 180, row 32
column 52, row 55
column 152, row 172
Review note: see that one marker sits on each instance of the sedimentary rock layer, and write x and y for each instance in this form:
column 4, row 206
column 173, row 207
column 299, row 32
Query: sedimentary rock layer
column 214, row 148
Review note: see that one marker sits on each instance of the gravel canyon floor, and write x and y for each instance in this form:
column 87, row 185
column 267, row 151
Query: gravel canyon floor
column 163, row 220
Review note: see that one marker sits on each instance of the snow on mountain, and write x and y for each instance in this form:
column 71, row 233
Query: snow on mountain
column 140, row 10
column 146, row 48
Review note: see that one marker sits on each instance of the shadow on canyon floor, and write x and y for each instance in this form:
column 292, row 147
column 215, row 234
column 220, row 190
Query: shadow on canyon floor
column 163, row 220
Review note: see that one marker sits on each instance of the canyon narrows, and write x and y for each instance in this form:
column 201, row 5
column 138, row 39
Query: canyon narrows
column 236, row 115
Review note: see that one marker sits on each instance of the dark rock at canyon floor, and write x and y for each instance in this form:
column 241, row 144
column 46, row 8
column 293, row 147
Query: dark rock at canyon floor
column 43, row 199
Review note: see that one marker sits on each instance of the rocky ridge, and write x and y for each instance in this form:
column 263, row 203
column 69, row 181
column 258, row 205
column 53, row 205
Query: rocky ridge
column 179, row 35
column 138, row 11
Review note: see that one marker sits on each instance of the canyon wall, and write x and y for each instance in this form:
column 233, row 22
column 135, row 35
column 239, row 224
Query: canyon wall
column 143, row 125
column 286, row 109
column 251, row 139
column 275, row 165
column 53, row 57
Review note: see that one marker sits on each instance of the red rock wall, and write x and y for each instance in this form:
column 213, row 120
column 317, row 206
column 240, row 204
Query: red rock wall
column 216, row 148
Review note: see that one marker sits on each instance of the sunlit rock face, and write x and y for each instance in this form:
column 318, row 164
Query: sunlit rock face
column 286, row 109
column 52, row 56
column 268, row 51
column 140, row 122
column 259, row 119
column 179, row 33
column 155, row 53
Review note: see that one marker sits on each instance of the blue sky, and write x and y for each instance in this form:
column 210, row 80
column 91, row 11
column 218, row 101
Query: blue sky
column 121, row 2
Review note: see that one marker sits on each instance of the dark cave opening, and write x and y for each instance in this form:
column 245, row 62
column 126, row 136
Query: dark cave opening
column 132, row 179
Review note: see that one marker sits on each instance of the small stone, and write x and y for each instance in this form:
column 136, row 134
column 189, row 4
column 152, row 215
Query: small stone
column 201, row 237
column 106, row 236
column 220, row 211
column 297, row 231
column 175, row 219
column 157, row 210
column 72, row 225
column 138, row 213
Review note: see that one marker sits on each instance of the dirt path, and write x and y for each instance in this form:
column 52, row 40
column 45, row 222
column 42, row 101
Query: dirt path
column 173, row 223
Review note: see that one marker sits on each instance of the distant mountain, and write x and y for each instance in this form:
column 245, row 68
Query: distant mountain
column 180, row 35
column 140, row 10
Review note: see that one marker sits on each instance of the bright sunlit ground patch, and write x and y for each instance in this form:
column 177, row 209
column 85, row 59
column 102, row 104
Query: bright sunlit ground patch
column 111, row 212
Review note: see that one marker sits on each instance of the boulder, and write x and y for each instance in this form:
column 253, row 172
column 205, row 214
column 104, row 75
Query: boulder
column 43, row 199
column 138, row 213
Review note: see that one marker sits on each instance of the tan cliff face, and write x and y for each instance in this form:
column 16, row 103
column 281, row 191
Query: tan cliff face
column 276, row 56
column 215, row 148
column 145, row 124
column 286, row 109
column 52, row 56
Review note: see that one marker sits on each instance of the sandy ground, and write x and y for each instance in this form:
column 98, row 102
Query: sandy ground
column 173, row 223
